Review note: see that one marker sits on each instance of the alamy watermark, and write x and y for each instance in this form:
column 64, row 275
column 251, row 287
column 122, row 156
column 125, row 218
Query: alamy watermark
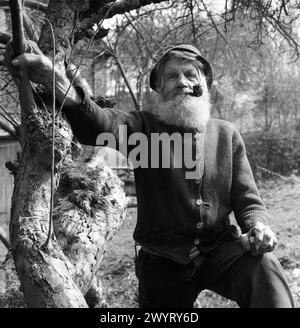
column 159, row 150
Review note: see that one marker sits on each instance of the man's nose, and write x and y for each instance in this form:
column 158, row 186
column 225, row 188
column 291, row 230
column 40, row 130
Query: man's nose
column 182, row 81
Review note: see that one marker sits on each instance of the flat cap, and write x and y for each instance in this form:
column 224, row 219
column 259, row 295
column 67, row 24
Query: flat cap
column 189, row 49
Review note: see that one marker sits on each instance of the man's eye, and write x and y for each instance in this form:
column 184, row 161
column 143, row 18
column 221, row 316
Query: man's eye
column 170, row 76
column 191, row 75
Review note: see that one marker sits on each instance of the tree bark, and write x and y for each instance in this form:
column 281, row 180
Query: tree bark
column 98, row 10
column 89, row 208
column 60, row 274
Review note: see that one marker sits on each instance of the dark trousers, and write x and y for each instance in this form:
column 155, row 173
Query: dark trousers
column 231, row 271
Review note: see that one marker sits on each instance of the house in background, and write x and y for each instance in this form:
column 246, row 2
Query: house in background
column 8, row 152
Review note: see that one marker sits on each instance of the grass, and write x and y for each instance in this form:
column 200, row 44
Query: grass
column 282, row 201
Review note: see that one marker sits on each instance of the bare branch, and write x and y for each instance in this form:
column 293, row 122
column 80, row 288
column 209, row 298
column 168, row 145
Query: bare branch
column 285, row 34
column 120, row 66
column 216, row 28
column 191, row 8
column 141, row 35
column 98, row 11
column 10, row 93
column 138, row 21
column 8, row 116
column 4, row 239
column 9, row 129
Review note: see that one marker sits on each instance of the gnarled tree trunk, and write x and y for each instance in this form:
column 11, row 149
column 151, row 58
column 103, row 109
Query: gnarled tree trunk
column 89, row 208
column 62, row 273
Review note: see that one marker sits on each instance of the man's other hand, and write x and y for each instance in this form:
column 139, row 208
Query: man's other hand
column 261, row 239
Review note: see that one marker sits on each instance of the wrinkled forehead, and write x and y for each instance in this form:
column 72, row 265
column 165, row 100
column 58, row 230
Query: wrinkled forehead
column 180, row 64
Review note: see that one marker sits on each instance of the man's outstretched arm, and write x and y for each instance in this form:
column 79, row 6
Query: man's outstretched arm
column 39, row 69
column 86, row 118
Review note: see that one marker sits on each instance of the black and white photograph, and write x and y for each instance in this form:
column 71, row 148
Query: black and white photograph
column 149, row 157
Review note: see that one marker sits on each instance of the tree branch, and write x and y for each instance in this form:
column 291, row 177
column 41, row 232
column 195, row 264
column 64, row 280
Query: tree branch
column 120, row 66
column 4, row 239
column 98, row 11
column 142, row 36
column 7, row 128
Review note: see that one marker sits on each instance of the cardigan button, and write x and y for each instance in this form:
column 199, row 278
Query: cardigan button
column 196, row 242
column 199, row 225
column 198, row 181
column 199, row 202
column 194, row 252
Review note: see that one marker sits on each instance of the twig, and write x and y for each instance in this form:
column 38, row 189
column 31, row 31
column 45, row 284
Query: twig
column 4, row 239
column 191, row 7
column 10, row 93
column 6, row 84
column 71, row 141
column 225, row 17
column 45, row 246
column 8, row 129
column 271, row 172
column 142, row 36
column 119, row 64
column 7, row 113
column 237, row 57
column 40, row 99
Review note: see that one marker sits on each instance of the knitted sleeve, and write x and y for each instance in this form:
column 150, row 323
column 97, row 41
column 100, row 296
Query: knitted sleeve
column 88, row 120
column 246, row 202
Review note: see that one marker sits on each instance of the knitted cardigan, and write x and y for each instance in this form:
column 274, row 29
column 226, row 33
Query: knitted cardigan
column 176, row 214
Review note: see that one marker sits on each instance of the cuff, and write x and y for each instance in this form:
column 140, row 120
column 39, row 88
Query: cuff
column 248, row 220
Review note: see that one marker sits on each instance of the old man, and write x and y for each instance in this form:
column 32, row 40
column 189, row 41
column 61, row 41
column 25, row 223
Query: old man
column 188, row 241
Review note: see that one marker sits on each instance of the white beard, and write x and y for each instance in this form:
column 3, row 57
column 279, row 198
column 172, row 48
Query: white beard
column 185, row 110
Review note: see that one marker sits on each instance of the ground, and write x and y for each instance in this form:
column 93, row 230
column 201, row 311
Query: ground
column 282, row 201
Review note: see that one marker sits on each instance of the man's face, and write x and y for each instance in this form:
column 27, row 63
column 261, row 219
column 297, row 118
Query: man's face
column 178, row 78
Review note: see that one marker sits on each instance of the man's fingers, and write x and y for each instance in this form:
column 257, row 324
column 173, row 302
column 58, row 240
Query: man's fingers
column 39, row 67
column 258, row 238
column 24, row 60
column 270, row 240
column 263, row 240
column 267, row 240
